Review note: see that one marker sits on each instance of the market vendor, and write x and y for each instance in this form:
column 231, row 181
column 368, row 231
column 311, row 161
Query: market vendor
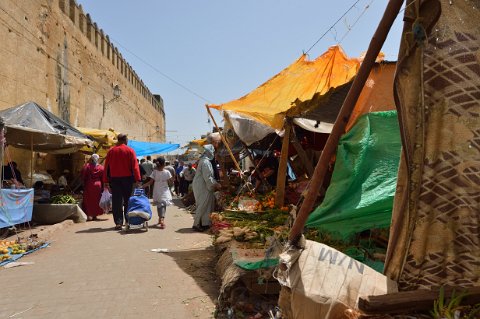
column 204, row 186
column 41, row 195
column 62, row 181
column 188, row 176
column 215, row 140
column 265, row 174
column 12, row 174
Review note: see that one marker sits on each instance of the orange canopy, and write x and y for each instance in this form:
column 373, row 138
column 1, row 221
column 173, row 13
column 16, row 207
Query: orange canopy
column 377, row 93
column 282, row 94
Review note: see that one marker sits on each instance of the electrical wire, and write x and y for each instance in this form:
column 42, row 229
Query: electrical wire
column 349, row 28
column 333, row 26
column 160, row 72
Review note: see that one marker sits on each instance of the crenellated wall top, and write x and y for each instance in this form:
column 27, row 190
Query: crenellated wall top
column 105, row 47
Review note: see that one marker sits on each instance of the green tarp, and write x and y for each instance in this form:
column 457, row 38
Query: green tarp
column 254, row 265
column 360, row 195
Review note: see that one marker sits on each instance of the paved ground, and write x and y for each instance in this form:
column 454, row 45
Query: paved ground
column 92, row 271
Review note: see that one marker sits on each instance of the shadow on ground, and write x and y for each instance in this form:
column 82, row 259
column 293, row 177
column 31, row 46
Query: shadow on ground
column 200, row 265
column 96, row 230
column 178, row 202
column 197, row 263
column 188, row 230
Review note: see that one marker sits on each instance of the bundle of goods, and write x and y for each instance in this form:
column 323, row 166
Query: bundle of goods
column 368, row 247
column 249, row 245
column 250, row 227
column 64, row 199
column 254, row 202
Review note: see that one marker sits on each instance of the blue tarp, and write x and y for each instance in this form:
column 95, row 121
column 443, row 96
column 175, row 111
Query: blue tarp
column 149, row 148
column 18, row 256
column 16, row 206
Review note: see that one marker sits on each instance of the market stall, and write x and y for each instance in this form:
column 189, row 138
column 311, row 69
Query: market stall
column 103, row 140
column 16, row 206
column 249, row 235
column 357, row 201
column 30, row 126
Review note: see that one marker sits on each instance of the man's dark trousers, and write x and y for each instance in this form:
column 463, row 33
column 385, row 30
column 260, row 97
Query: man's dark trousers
column 121, row 191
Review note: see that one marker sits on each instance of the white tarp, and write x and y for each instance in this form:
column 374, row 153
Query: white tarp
column 247, row 129
column 314, row 126
column 325, row 283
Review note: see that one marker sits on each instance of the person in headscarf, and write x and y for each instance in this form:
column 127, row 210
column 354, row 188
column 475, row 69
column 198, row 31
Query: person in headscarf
column 204, row 186
column 92, row 174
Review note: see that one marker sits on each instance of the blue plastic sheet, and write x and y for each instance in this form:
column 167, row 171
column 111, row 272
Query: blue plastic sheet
column 149, row 148
column 18, row 256
column 16, row 206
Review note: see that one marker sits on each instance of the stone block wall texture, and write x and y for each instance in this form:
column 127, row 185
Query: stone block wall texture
column 54, row 54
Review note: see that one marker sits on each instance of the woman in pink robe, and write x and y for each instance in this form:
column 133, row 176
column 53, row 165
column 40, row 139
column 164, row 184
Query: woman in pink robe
column 92, row 174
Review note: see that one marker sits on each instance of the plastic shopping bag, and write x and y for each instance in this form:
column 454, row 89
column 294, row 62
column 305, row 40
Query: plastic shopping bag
column 106, row 201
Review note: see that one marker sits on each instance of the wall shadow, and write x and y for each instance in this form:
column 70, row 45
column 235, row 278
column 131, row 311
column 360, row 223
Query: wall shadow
column 200, row 265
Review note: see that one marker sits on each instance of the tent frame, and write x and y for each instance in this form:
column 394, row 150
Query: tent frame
column 376, row 43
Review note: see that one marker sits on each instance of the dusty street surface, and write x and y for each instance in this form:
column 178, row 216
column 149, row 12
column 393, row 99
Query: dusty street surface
column 93, row 271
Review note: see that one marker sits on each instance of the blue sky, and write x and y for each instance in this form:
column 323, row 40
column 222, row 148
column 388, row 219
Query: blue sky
column 223, row 49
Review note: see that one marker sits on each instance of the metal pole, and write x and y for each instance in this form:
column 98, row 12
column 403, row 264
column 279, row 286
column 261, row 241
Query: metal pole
column 2, row 142
column 2, row 148
column 31, row 161
column 282, row 167
column 316, row 182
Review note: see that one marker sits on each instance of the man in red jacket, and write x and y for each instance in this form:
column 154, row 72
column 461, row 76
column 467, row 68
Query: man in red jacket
column 120, row 174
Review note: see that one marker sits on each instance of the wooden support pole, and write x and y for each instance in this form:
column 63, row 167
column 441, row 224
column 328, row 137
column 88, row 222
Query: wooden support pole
column 224, row 141
column 316, row 182
column 303, row 156
column 282, row 167
column 237, row 166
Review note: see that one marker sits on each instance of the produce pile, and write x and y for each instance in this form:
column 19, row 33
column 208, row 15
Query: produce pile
column 253, row 202
column 368, row 247
column 64, row 199
column 17, row 247
column 250, row 227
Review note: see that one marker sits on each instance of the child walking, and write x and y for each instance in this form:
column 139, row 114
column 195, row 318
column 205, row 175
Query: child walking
column 162, row 196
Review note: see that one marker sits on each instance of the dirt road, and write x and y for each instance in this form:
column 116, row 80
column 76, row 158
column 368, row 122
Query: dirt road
column 92, row 271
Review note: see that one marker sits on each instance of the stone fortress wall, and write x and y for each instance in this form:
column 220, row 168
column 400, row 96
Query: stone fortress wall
column 52, row 53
